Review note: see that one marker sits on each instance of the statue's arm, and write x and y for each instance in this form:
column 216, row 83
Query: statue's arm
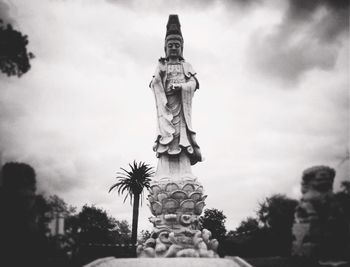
column 158, row 74
column 154, row 77
column 191, row 75
column 191, row 82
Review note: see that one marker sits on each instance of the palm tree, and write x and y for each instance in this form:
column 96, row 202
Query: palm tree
column 133, row 182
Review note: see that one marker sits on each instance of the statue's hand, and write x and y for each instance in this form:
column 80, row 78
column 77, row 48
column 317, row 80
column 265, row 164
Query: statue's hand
column 176, row 86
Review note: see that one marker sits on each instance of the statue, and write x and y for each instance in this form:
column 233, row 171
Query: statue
column 176, row 197
column 173, row 85
column 320, row 229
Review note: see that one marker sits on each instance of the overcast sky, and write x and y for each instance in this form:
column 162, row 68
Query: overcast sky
column 273, row 98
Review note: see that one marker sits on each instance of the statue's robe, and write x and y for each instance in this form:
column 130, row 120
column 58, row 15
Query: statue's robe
column 172, row 142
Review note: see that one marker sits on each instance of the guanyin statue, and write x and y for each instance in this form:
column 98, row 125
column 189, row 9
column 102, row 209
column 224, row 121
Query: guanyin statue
column 174, row 84
column 176, row 197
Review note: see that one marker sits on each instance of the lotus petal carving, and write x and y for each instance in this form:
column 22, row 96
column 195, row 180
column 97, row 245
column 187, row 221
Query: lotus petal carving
column 188, row 188
column 170, row 205
column 171, row 187
column 162, row 196
column 187, row 205
column 196, row 196
column 179, row 195
column 199, row 189
column 155, row 189
column 156, row 208
column 199, row 207
column 150, row 198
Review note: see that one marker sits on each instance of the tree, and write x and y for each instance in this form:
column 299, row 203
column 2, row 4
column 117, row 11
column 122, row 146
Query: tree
column 214, row 220
column 269, row 233
column 337, row 231
column 42, row 209
column 93, row 225
column 14, row 58
column 276, row 213
column 21, row 243
column 123, row 231
column 345, row 187
column 50, row 208
column 249, row 225
column 133, row 182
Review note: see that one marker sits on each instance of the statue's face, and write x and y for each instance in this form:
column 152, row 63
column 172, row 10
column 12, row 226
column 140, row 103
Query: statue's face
column 173, row 48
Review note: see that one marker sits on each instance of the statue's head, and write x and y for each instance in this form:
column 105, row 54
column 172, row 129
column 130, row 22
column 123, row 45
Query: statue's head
column 173, row 38
column 318, row 178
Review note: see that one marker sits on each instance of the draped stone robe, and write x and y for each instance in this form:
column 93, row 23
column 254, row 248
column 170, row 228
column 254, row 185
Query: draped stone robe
column 175, row 145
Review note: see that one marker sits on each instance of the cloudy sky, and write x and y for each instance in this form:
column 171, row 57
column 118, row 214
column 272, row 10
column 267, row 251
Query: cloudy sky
column 273, row 98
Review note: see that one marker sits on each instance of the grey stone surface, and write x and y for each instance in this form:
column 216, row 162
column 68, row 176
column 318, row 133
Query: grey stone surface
column 170, row 262
column 320, row 230
column 176, row 197
column 309, row 226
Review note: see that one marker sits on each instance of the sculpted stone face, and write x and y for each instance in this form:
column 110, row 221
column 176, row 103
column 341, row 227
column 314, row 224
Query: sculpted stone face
column 173, row 48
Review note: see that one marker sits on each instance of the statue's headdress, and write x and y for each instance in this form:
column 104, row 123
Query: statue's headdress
column 173, row 28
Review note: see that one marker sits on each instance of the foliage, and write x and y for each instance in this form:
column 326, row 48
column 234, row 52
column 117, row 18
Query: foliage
column 336, row 232
column 133, row 182
column 91, row 225
column 345, row 187
column 42, row 208
column 270, row 233
column 214, row 220
column 14, row 58
column 94, row 225
column 46, row 207
column 123, row 231
column 248, row 225
column 277, row 212
column 57, row 204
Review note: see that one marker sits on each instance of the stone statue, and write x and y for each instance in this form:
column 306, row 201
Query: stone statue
column 320, row 230
column 173, row 85
column 176, row 197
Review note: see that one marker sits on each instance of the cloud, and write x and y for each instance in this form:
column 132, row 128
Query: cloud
column 198, row 5
column 5, row 14
column 85, row 109
column 308, row 37
column 333, row 22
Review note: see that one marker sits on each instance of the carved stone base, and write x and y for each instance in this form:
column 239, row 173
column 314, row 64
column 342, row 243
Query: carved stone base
column 193, row 243
column 176, row 206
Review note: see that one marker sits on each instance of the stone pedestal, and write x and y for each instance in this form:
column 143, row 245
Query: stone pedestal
column 177, row 262
column 176, row 205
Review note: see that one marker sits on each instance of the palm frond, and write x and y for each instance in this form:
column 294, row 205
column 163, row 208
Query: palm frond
column 133, row 181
